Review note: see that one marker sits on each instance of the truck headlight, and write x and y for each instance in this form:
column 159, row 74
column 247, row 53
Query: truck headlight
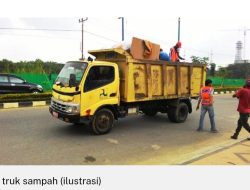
column 69, row 109
column 72, row 109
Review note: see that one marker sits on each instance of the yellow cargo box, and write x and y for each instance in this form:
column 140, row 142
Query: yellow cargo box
column 144, row 80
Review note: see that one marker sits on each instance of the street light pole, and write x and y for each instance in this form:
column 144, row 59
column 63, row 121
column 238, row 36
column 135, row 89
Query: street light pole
column 179, row 28
column 82, row 21
column 122, row 27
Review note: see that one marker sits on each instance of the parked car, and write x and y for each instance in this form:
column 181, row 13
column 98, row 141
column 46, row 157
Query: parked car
column 13, row 84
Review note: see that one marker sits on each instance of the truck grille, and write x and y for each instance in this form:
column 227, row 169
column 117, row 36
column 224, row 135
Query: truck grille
column 57, row 106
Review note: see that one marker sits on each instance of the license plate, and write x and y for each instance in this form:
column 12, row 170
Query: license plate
column 55, row 114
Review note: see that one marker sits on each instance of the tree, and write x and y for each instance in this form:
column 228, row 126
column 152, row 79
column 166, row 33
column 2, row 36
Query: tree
column 223, row 73
column 212, row 69
column 239, row 70
column 202, row 60
column 37, row 66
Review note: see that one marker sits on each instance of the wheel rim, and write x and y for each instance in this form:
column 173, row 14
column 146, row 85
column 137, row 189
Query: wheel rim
column 183, row 113
column 103, row 122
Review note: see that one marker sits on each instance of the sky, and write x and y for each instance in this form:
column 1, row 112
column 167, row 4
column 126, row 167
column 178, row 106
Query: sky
column 214, row 35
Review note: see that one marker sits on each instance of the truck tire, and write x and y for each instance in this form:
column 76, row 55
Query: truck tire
column 178, row 114
column 171, row 112
column 102, row 122
column 150, row 113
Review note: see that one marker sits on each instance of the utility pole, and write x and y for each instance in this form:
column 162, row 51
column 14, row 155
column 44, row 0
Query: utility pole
column 179, row 28
column 211, row 56
column 82, row 21
column 122, row 27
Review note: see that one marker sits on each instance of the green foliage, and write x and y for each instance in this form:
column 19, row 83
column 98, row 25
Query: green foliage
column 223, row 72
column 202, row 60
column 24, row 97
column 37, row 66
column 239, row 70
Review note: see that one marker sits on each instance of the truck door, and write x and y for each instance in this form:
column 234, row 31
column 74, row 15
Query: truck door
column 101, row 87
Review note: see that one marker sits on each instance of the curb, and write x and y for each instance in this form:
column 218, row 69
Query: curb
column 24, row 104
column 47, row 102
column 225, row 92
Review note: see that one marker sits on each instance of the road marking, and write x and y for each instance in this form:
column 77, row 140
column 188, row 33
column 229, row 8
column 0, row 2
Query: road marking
column 113, row 141
column 155, row 147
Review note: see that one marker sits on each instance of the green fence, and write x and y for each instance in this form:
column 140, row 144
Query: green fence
column 217, row 81
column 46, row 81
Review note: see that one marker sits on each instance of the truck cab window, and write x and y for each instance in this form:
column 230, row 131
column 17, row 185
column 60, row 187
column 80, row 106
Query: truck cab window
column 99, row 76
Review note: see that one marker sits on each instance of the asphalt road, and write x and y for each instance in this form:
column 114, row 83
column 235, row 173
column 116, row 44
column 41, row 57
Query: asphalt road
column 32, row 136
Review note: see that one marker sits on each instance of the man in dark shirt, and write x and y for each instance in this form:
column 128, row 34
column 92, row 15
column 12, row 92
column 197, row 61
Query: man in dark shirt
column 243, row 108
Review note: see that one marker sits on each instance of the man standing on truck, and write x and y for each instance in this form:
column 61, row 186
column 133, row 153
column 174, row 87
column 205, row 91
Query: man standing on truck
column 174, row 53
column 206, row 101
column 243, row 108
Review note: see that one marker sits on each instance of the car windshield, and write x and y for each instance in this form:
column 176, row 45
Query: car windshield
column 71, row 68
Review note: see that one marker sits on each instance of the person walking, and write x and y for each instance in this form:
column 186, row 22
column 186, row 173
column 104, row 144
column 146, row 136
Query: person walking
column 174, row 53
column 206, row 101
column 243, row 108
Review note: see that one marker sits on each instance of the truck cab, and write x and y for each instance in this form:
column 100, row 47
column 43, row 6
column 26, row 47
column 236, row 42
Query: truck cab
column 83, row 88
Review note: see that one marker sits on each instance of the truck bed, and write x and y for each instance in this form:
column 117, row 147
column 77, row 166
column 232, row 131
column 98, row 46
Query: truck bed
column 144, row 80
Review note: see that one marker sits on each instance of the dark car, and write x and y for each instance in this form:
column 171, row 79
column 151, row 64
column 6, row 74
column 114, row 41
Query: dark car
column 13, row 84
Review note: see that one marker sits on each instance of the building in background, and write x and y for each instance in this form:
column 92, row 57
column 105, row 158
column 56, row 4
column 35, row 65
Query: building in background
column 238, row 56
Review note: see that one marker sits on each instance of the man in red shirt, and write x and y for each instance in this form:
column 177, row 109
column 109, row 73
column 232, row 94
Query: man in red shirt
column 243, row 108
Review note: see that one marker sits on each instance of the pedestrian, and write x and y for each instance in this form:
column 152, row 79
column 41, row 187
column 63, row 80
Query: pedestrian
column 243, row 95
column 175, row 53
column 206, row 101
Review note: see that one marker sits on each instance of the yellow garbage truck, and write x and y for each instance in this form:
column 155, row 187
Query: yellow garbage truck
column 116, row 85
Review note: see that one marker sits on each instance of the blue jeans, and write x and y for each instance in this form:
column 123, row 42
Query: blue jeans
column 204, row 110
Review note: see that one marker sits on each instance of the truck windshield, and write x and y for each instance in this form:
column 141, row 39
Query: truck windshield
column 70, row 69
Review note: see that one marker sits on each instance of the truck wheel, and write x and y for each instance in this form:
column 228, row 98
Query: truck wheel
column 150, row 113
column 171, row 112
column 178, row 114
column 103, row 121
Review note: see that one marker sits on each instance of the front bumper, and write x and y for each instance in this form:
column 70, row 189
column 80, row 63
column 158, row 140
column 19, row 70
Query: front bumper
column 71, row 118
